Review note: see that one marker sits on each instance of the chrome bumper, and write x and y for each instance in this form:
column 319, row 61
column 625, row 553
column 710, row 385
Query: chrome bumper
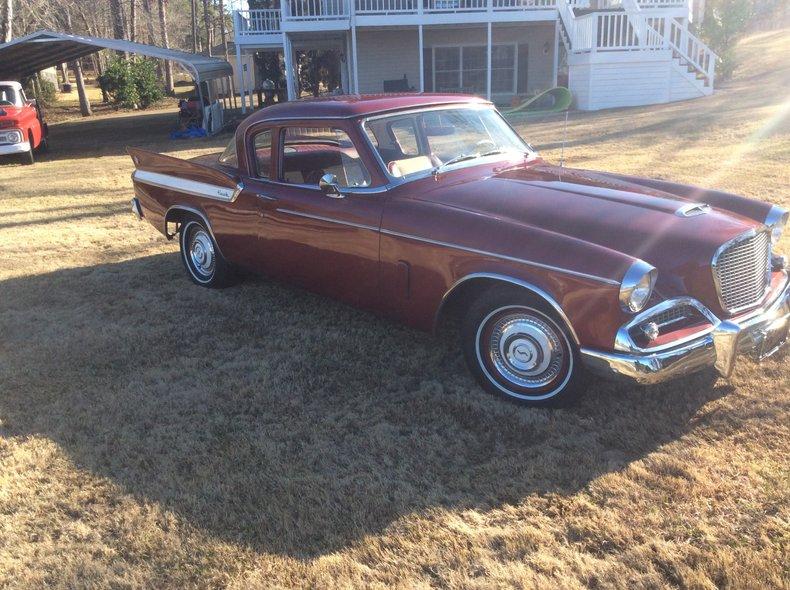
column 15, row 148
column 758, row 335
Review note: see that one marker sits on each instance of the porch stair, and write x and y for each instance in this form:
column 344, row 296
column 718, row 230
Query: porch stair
column 621, row 32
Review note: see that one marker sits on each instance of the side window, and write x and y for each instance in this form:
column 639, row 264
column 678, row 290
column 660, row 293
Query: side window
column 229, row 156
column 310, row 152
column 262, row 144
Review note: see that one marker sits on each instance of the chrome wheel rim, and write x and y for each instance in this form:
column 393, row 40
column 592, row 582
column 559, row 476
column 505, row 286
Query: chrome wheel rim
column 524, row 353
column 201, row 253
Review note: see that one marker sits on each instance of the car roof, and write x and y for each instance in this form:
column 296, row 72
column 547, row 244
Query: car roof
column 11, row 83
column 360, row 105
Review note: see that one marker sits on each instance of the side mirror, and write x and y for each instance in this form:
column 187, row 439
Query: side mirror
column 328, row 185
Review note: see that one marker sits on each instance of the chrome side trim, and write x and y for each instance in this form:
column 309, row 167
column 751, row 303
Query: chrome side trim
column 513, row 281
column 575, row 273
column 194, row 211
column 189, row 187
column 693, row 209
column 624, row 343
column 327, row 219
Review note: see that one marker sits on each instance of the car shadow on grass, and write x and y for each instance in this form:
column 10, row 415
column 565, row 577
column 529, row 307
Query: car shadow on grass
column 274, row 418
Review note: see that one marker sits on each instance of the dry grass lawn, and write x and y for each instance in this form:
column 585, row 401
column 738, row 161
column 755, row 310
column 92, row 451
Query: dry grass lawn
column 155, row 434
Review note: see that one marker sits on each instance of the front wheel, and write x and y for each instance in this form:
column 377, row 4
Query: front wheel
column 202, row 259
column 28, row 157
column 518, row 348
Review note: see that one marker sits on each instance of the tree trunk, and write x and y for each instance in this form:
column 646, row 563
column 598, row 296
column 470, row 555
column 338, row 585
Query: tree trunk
column 8, row 19
column 225, row 45
column 207, row 23
column 163, row 26
column 116, row 10
column 193, row 6
column 64, row 72
column 85, row 103
column 133, row 21
column 149, row 22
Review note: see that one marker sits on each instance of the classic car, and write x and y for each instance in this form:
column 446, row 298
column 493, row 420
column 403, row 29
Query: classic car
column 22, row 126
column 430, row 208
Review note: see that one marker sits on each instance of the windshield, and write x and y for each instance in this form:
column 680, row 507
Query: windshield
column 418, row 141
column 8, row 97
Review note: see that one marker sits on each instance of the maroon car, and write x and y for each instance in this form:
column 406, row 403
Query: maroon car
column 426, row 207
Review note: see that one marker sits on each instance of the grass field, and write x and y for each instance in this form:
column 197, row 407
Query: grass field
column 155, row 434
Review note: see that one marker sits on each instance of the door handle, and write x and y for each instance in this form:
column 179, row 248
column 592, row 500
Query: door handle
column 266, row 197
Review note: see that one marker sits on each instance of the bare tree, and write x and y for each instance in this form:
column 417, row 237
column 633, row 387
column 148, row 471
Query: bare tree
column 163, row 26
column 8, row 18
column 149, row 21
column 133, row 20
column 225, row 43
column 193, row 6
column 85, row 103
column 207, row 24
column 116, row 11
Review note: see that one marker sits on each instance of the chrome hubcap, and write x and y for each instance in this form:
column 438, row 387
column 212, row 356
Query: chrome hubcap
column 201, row 253
column 525, row 350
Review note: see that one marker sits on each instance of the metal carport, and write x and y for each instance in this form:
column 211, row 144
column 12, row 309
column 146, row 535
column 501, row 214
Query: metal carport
column 43, row 49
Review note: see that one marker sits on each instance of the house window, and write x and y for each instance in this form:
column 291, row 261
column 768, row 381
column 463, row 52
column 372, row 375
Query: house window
column 463, row 69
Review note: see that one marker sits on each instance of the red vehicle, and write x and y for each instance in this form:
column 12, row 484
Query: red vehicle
column 424, row 207
column 22, row 127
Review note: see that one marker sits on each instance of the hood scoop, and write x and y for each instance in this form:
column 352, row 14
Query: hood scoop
column 693, row 209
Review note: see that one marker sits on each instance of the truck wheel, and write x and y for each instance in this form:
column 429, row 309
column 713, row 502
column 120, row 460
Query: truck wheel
column 517, row 347
column 204, row 263
column 29, row 157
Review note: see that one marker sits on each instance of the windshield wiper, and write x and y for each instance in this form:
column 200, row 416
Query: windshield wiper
column 455, row 160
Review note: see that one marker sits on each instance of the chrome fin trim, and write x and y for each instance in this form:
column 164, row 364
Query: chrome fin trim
column 189, row 187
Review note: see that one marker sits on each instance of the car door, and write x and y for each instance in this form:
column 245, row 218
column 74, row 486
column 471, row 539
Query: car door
column 328, row 243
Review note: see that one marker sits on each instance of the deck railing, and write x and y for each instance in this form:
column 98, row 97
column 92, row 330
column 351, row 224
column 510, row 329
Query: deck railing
column 256, row 22
column 609, row 29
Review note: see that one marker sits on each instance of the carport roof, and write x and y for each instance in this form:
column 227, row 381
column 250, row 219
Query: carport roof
column 37, row 51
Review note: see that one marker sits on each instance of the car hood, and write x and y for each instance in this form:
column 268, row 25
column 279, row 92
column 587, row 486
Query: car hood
column 624, row 216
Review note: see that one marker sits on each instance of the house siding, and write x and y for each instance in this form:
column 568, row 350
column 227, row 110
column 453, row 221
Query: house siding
column 623, row 83
column 389, row 54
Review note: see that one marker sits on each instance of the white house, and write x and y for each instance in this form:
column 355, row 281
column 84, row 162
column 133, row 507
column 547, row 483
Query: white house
column 609, row 52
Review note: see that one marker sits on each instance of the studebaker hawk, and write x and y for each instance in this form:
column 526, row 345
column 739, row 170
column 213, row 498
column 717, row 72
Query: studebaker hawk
column 425, row 207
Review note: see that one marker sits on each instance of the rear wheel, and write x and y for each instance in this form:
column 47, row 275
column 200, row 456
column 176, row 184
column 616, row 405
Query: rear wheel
column 517, row 347
column 202, row 259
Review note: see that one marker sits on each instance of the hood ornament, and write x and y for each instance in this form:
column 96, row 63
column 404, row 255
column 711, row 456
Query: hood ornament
column 693, row 209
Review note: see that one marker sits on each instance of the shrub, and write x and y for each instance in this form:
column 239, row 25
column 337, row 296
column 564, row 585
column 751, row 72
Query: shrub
column 131, row 84
column 47, row 94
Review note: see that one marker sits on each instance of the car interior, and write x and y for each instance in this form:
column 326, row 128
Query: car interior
column 310, row 153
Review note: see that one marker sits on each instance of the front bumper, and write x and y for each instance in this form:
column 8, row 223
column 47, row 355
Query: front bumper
column 22, row 147
column 758, row 335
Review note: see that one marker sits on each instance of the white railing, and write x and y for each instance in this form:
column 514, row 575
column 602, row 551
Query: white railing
column 314, row 9
column 692, row 50
column 387, row 6
column 662, row 3
column 256, row 22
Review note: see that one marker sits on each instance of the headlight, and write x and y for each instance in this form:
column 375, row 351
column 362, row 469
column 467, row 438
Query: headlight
column 776, row 221
column 13, row 136
column 637, row 286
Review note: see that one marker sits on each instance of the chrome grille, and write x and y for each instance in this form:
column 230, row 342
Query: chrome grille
column 741, row 270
